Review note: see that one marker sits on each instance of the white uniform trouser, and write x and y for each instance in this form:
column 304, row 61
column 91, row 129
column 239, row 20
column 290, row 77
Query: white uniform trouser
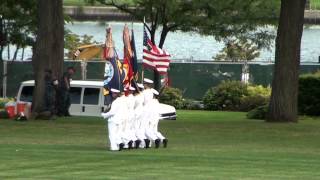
column 138, row 124
column 114, row 137
column 158, row 134
column 152, row 133
column 129, row 130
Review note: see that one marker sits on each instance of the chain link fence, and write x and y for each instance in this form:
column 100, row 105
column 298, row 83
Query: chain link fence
column 193, row 78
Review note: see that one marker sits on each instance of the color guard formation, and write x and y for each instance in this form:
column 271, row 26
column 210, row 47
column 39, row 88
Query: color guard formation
column 133, row 119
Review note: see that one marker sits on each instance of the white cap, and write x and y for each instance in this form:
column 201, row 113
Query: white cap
column 146, row 80
column 140, row 85
column 114, row 90
column 155, row 92
column 132, row 88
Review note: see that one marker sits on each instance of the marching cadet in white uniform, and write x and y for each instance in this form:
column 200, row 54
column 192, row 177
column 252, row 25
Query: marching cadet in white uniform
column 114, row 121
column 147, row 111
column 155, row 121
column 129, row 126
column 125, row 116
column 138, row 117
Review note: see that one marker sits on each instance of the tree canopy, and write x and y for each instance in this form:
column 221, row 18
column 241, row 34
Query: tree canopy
column 228, row 19
column 18, row 23
column 222, row 19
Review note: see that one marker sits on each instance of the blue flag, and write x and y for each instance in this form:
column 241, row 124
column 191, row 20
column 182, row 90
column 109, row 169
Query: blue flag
column 134, row 60
column 112, row 77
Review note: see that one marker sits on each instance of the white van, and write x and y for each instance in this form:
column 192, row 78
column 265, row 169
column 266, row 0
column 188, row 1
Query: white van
column 86, row 98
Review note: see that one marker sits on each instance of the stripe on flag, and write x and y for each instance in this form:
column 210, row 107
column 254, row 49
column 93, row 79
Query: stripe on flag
column 153, row 56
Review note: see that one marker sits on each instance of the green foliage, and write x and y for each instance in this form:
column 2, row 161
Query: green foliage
column 256, row 90
column 18, row 20
column 257, row 96
column 243, row 20
column 258, row 113
column 172, row 96
column 250, row 102
column 238, row 50
column 309, row 94
column 3, row 102
column 235, row 96
column 73, row 41
column 190, row 104
column 225, row 96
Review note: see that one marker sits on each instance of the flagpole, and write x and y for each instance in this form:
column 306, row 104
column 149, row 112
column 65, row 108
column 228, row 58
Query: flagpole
column 142, row 69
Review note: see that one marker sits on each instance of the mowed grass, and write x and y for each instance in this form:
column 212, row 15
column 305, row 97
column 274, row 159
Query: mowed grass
column 202, row 145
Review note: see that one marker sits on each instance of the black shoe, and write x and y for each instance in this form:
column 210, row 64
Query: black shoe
column 137, row 142
column 130, row 144
column 165, row 143
column 157, row 142
column 147, row 141
column 121, row 146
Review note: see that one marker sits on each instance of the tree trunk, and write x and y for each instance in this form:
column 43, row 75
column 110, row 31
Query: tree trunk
column 163, row 36
column 156, row 75
column 284, row 96
column 48, row 51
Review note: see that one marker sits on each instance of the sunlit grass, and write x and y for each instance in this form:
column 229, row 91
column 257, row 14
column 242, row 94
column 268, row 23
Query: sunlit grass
column 202, row 145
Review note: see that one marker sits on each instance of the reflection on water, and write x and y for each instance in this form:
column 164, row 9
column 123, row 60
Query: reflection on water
column 188, row 46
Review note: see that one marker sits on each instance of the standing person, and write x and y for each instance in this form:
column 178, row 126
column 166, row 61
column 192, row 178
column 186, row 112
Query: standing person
column 64, row 92
column 114, row 121
column 50, row 93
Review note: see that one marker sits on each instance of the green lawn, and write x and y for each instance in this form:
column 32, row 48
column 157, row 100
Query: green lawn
column 202, row 145
column 315, row 4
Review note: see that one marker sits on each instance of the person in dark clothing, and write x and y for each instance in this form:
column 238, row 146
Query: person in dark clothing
column 64, row 92
column 50, row 93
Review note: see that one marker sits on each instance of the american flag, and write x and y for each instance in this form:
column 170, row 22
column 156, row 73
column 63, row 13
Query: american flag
column 153, row 56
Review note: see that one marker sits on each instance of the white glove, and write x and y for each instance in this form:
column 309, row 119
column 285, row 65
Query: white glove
column 104, row 115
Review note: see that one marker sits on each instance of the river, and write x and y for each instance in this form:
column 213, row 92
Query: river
column 186, row 45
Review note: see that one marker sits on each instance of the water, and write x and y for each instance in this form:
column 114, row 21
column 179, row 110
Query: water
column 184, row 45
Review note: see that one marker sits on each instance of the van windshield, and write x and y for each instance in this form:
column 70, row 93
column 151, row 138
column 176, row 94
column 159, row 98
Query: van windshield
column 26, row 93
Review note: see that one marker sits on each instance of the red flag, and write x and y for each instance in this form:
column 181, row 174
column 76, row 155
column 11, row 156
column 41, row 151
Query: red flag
column 127, row 57
column 109, row 46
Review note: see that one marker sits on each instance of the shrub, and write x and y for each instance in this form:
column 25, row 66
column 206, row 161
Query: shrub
column 258, row 113
column 309, row 94
column 192, row 105
column 258, row 96
column 225, row 96
column 235, row 96
column 4, row 114
column 248, row 103
column 258, row 90
column 172, row 96
column 4, row 101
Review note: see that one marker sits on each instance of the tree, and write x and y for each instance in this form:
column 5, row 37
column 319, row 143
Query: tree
column 284, row 96
column 238, row 50
column 73, row 41
column 170, row 15
column 48, row 50
column 17, row 25
column 213, row 17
